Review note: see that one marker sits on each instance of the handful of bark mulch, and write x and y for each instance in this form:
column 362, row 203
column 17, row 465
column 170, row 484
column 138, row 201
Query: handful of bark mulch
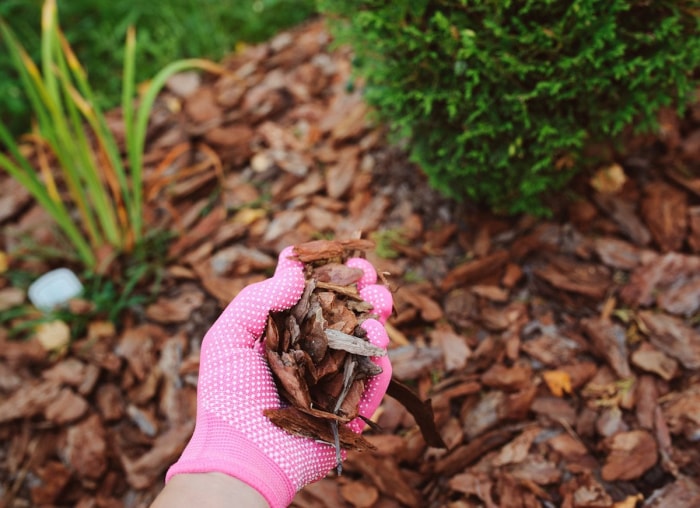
column 320, row 357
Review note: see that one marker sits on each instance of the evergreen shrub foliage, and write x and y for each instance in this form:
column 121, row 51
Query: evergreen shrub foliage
column 499, row 98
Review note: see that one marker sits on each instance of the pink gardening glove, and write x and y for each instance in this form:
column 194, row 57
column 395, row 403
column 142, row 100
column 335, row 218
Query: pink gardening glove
column 231, row 434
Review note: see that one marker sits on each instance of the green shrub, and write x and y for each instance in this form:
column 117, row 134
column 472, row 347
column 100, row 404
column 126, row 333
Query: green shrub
column 499, row 98
column 167, row 30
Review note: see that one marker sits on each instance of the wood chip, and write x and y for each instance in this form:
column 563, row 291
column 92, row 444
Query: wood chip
column 610, row 341
column 474, row 271
column 86, row 448
column 631, row 454
column 665, row 210
column 674, row 337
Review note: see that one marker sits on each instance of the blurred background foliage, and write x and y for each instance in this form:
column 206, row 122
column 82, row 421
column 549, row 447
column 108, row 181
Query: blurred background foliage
column 166, row 31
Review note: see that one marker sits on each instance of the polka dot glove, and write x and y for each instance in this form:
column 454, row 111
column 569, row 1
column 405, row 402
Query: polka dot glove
column 231, row 434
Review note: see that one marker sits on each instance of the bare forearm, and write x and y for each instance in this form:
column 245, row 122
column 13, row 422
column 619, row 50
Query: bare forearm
column 208, row 490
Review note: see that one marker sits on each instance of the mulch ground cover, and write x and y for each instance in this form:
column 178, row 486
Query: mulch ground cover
column 561, row 355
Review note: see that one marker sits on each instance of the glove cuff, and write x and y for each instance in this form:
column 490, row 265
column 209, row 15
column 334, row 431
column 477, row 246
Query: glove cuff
column 224, row 450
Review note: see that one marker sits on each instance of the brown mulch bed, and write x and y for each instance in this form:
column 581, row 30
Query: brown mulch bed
column 562, row 356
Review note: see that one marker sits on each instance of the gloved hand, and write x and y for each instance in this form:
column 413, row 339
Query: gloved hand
column 231, row 434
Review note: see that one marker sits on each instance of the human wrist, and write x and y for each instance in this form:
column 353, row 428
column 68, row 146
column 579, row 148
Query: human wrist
column 223, row 449
column 204, row 490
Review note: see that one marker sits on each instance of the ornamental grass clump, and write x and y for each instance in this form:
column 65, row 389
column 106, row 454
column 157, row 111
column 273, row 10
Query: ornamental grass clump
column 499, row 99
column 76, row 168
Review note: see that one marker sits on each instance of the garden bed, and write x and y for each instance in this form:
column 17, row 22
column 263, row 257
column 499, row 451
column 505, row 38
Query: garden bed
column 561, row 355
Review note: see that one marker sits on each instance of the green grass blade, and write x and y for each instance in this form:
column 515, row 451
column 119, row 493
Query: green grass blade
column 51, row 120
column 90, row 110
column 29, row 75
column 48, row 29
column 25, row 174
column 136, row 148
column 128, row 91
column 85, row 156
column 75, row 163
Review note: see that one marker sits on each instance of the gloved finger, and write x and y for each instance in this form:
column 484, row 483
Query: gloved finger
column 376, row 386
column 377, row 295
column 244, row 319
column 369, row 276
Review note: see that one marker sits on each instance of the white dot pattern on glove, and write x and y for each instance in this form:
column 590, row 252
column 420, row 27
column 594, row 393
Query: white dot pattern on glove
column 236, row 385
column 375, row 387
column 378, row 296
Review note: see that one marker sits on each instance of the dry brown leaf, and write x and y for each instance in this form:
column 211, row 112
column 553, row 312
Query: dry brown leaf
column 558, row 382
column 28, row 401
column 366, row 215
column 203, row 230
column 53, row 335
column 609, row 179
